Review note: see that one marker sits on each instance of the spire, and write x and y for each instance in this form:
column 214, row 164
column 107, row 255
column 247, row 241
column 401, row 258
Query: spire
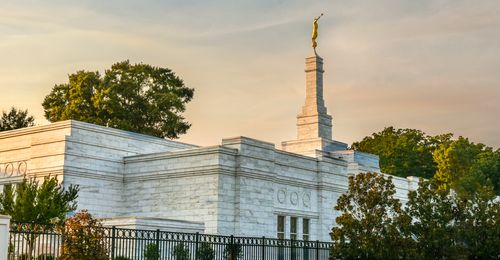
column 313, row 121
column 314, row 125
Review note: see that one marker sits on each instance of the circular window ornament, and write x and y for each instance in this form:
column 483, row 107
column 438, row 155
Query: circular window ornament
column 294, row 198
column 22, row 167
column 306, row 200
column 281, row 196
column 9, row 169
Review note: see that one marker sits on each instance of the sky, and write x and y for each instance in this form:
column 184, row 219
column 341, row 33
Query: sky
column 432, row 65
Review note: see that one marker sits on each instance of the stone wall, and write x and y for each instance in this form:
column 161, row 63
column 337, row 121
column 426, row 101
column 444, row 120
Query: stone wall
column 178, row 185
column 239, row 187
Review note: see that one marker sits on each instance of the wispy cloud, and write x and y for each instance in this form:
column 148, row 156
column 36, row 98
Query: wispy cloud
column 429, row 64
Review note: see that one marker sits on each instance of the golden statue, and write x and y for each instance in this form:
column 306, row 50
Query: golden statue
column 315, row 32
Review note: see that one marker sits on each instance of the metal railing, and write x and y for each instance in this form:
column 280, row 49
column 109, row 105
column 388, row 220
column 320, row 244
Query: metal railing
column 39, row 242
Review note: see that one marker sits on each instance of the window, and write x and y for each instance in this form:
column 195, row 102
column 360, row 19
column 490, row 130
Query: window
column 293, row 227
column 305, row 229
column 281, row 227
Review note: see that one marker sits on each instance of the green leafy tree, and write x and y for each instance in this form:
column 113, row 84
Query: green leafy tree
column 43, row 205
column 83, row 238
column 32, row 202
column 372, row 224
column 448, row 226
column 434, row 214
column 466, row 166
column 205, row 252
column 15, row 118
column 480, row 229
column 134, row 97
column 403, row 152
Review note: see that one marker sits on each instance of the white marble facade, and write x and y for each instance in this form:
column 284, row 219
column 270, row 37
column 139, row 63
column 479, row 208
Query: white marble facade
column 239, row 187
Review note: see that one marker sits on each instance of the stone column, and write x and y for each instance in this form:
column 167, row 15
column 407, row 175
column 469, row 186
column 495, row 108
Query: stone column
column 4, row 236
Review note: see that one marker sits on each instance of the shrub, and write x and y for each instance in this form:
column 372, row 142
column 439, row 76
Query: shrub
column 83, row 238
column 205, row 252
column 233, row 251
column 152, row 252
column 181, row 252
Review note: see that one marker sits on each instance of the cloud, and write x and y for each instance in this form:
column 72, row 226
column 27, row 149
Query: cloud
column 429, row 64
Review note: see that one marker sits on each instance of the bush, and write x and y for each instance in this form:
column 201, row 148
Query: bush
column 181, row 252
column 83, row 238
column 233, row 251
column 152, row 252
column 205, row 252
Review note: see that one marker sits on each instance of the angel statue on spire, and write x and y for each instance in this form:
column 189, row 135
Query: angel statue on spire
column 315, row 32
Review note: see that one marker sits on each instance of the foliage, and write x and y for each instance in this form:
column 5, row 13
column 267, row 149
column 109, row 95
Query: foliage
column 34, row 203
column 233, row 251
column 458, row 164
column 466, row 166
column 434, row 214
column 372, row 224
column 403, row 152
column 181, row 252
column 83, row 238
column 205, row 252
column 133, row 97
column 448, row 226
column 15, row 118
column 435, row 224
column 480, row 228
column 151, row 252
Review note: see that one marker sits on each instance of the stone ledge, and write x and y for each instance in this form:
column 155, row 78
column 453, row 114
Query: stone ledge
column 248, row 141
column 163, row 224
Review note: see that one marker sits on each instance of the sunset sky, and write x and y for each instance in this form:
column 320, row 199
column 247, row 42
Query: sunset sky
column 430, row 65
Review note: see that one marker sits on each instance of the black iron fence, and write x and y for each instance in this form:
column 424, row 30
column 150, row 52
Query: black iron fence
column 39, row 242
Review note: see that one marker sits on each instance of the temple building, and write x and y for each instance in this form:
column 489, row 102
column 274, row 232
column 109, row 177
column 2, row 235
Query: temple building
column 241, row 186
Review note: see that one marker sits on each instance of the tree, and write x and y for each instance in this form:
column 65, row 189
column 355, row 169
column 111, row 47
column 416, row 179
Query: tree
column 32, row 202
column 403, row 152
column 466, row 166
column 133, row 97
column 15, row 118
column 434, row 213
column 480, row 229
column 83, row 238
column 448, row 226
column 41, row 205
column 372, row 224
column 459, row 164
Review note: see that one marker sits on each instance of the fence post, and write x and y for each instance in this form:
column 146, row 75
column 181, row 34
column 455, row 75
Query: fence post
column 196, row 245
column 317, row 249
column 113, row 245
column 158, row 241
column 263, row 248
column 4, row 236
column 231, row 248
